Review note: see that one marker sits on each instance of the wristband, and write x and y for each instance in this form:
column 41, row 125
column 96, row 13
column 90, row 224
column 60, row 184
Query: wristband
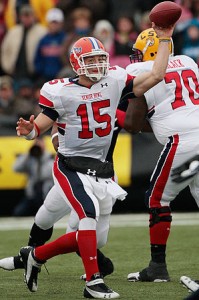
column 167, row 40
column 37, row 128
column 54, row 135
column 30, row 135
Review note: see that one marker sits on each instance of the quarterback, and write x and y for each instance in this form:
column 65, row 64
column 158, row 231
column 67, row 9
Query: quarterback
column 85, row 109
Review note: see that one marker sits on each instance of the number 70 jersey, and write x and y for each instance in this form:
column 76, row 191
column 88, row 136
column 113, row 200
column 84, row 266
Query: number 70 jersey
column 85, row 116
column 173, row 104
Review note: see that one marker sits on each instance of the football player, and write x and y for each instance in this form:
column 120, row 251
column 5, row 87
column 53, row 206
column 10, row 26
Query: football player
column 172, row 110
column 85, row 108
column 185, row 171
column 192, row 285
column 53, row 209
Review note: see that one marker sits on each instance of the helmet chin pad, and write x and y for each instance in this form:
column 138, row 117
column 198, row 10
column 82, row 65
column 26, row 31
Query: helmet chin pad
column 93, row 71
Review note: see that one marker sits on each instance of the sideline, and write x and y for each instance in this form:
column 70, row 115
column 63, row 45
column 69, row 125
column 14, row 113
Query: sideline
column 117, row 220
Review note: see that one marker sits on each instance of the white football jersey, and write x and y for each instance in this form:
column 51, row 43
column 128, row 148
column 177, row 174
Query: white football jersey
column 173, row 104
column 86, row 115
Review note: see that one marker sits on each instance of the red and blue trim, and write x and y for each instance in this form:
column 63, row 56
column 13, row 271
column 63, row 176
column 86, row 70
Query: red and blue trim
column 160, row 177
column 73, row 189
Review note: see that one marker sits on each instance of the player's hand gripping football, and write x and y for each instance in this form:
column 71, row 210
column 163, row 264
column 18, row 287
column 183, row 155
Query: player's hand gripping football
column 24, row 127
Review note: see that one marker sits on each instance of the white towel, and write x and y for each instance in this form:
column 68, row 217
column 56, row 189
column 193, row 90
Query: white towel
column 115, row 190
column 102, row 187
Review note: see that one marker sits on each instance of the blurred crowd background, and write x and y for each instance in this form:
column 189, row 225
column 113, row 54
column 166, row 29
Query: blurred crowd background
column 36, row 37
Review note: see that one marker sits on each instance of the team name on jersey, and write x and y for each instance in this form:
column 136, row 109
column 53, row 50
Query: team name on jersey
column 92, row 96
column 175, row 64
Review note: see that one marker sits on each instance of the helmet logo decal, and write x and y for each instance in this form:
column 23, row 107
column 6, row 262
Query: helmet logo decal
column 147, row 44
column 77, row 50
column 150, row 41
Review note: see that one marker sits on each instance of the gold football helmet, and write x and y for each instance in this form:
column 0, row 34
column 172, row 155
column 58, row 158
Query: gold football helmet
column 146, row 46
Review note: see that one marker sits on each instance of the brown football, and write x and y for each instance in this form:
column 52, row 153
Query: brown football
column 165, row 13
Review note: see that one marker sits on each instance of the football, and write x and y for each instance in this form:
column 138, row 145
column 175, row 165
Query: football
column 165, row 13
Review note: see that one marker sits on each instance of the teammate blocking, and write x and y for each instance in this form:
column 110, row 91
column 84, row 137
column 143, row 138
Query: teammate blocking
column 171, row 109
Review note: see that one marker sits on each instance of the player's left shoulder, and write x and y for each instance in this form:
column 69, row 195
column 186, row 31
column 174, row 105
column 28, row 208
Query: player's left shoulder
column 116, row 71
column 119, row 75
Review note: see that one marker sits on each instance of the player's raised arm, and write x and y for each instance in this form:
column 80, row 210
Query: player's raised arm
column 147, row 80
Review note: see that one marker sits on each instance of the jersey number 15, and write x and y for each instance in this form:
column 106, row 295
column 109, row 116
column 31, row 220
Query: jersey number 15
column 86, row 132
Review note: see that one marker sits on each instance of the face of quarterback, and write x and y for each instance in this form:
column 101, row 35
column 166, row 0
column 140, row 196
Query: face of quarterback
column 95, row 64
column 89, row 58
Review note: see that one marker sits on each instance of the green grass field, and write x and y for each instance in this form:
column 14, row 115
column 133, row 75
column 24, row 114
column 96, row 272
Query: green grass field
column 129, row 250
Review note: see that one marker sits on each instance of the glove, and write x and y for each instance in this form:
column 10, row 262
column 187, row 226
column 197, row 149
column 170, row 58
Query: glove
column 186, row 170
column 189, row 283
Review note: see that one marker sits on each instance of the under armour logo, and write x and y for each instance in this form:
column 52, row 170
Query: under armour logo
column 90, row 172
column 93, row 257
column 105, row 84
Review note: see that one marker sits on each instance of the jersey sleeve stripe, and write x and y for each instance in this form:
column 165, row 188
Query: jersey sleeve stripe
column 45, row 102
column 151, row 112
column 51, row 113
column 129, row 79
column 62, row 125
